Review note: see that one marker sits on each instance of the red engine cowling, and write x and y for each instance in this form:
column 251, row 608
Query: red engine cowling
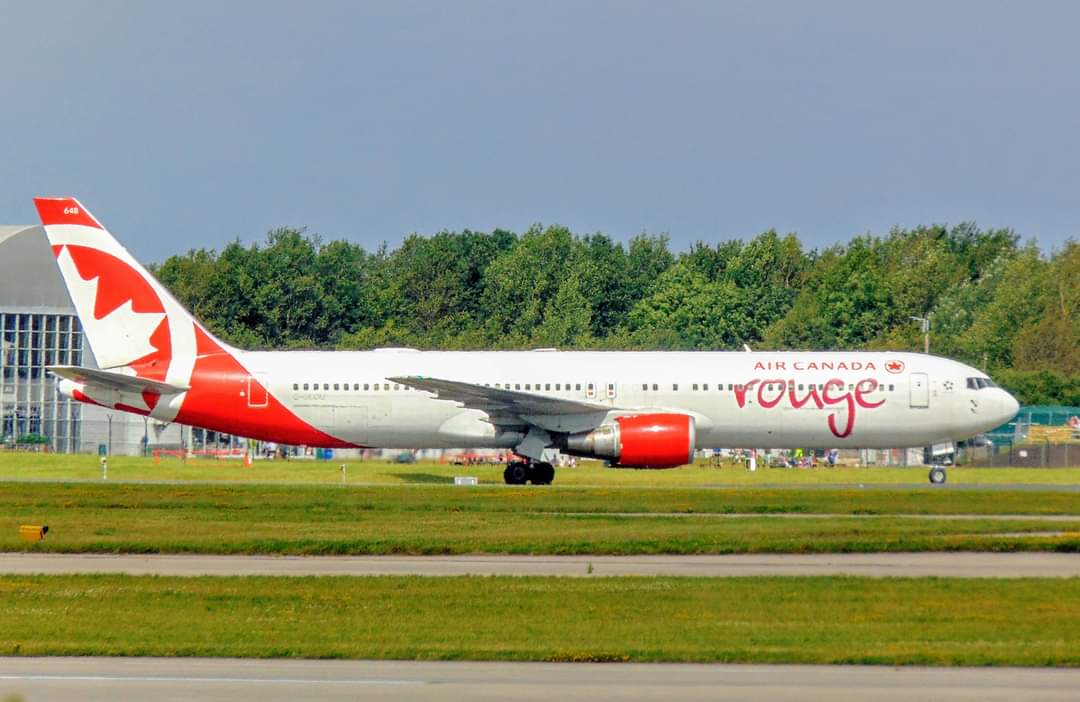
column 639, row 441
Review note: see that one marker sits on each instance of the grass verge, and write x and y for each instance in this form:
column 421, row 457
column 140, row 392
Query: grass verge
column 206, row 518
column 40, row 466
column 1029, row 622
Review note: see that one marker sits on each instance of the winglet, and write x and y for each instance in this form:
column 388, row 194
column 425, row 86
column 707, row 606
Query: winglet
column 64, row 210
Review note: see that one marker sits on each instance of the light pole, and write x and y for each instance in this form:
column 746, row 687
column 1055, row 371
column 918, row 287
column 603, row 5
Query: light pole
column 924, row 323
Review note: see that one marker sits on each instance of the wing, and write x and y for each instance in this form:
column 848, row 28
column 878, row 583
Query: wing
column 512, row 407
column 115, row 381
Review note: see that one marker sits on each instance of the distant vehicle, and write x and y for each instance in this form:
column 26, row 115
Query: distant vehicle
column 405, row 457
column 631, row 409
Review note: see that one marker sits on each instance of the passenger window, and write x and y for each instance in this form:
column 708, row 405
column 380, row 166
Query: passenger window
column 577, row 386
column 705, row 386
column 644, row 386
column 367, row 387
column 326, row 386
column 675, row 387
column 296, row 386
column 336, row 386
column 376, row 387
column 694, row 387
column 356, row 386
column 890, row 388
column 655, row 387
column 547, row 386
column 557, row 387
column 527, row 386
column 517, row 386
column 305, row 386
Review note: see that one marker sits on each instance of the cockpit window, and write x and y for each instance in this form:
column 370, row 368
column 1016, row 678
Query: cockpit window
column 980, row 383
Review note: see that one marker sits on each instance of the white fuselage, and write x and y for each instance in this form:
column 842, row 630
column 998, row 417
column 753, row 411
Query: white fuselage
column 738, row 399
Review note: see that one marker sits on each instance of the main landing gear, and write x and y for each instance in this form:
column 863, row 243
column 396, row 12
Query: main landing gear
column 535, row 472
column 937, row 475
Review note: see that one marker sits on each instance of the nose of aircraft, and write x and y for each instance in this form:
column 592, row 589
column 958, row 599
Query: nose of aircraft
column 1009, row 406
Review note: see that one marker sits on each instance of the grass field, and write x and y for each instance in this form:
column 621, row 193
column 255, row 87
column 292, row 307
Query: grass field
column 434, row 519
column 40, row 466
column 1029, row 622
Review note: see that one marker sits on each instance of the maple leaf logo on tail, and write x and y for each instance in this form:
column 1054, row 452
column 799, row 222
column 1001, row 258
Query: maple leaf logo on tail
column 129, row 319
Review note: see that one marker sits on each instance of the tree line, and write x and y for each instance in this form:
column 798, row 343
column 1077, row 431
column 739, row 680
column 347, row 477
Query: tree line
column 994, row 302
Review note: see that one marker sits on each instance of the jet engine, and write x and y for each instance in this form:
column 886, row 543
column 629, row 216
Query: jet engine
column 638, row 441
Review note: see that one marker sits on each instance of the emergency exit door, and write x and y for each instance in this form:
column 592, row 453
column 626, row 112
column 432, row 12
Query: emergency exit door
column 920, row 390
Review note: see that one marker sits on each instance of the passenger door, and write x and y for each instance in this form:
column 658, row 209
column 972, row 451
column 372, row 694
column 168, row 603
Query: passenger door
column 920, row 390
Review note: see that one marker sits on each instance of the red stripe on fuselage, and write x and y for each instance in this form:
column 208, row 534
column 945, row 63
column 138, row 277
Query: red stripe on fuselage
column 218, row 400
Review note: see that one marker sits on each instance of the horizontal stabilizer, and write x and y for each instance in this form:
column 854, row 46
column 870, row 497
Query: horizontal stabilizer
column 116, row 381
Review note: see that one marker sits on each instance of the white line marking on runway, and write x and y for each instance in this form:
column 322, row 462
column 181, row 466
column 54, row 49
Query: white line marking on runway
column 238, row 681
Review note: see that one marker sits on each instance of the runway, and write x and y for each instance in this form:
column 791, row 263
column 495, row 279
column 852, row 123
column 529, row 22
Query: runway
column 164, row 679
column 960, row 565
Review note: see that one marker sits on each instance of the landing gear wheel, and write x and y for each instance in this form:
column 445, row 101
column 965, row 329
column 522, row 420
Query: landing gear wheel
column 937, row 475
column 542, row 474
column 516, row 473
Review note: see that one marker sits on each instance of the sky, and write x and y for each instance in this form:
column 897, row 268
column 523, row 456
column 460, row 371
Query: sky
column 188, row 124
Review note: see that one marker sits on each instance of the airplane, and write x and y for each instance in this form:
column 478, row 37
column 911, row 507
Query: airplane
column 633, row 409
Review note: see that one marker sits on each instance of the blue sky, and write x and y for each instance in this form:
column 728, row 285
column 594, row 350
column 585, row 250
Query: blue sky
column 188, row 124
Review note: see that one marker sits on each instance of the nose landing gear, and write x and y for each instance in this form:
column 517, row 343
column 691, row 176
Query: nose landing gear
column 535, row 472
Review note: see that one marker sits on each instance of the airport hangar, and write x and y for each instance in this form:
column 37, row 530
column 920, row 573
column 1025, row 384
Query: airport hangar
column 39, row 328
